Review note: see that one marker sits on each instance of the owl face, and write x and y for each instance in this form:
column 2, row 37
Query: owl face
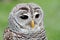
column 28, row 16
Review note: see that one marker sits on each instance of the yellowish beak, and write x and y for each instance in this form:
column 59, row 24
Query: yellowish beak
column 32, row 24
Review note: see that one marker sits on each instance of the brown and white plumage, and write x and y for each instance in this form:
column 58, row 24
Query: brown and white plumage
column 25, row 23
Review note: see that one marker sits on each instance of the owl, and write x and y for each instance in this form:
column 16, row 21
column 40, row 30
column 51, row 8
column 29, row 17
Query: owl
column 25, row 22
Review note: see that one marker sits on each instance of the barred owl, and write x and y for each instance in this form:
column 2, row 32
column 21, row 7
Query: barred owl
column 25, row 23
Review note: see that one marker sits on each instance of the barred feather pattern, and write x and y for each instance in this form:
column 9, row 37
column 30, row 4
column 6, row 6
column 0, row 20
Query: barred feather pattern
column 10, row 35
column 14, row 32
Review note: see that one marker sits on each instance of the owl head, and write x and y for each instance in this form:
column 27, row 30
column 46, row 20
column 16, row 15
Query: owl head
column 26, row 18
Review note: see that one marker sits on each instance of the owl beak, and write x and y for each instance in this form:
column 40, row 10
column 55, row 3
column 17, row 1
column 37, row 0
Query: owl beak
column 32, row 23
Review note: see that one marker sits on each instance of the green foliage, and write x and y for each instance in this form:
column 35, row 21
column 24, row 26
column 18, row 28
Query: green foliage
column 51, row 10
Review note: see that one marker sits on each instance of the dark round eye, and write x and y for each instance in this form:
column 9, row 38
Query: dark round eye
column 37, row 16
column 24, row 17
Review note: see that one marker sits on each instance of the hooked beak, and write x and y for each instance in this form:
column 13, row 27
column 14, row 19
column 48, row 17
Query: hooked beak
column 32, row 24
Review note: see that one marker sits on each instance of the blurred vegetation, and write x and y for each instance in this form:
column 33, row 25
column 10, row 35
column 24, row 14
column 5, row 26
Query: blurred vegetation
column 51, row 10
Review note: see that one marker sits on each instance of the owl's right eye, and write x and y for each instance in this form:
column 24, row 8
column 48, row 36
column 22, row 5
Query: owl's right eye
column 24, row 17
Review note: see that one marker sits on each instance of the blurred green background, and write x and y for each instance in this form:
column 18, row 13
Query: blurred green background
column 51, row 10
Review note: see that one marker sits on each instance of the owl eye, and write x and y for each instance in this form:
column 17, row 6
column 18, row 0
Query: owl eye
column 37, row 16
column 24, row 17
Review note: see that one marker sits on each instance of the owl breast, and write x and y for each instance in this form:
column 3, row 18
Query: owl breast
column 10, row 35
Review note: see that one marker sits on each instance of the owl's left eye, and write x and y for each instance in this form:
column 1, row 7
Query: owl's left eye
column 24, row 17
column 37, row 16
